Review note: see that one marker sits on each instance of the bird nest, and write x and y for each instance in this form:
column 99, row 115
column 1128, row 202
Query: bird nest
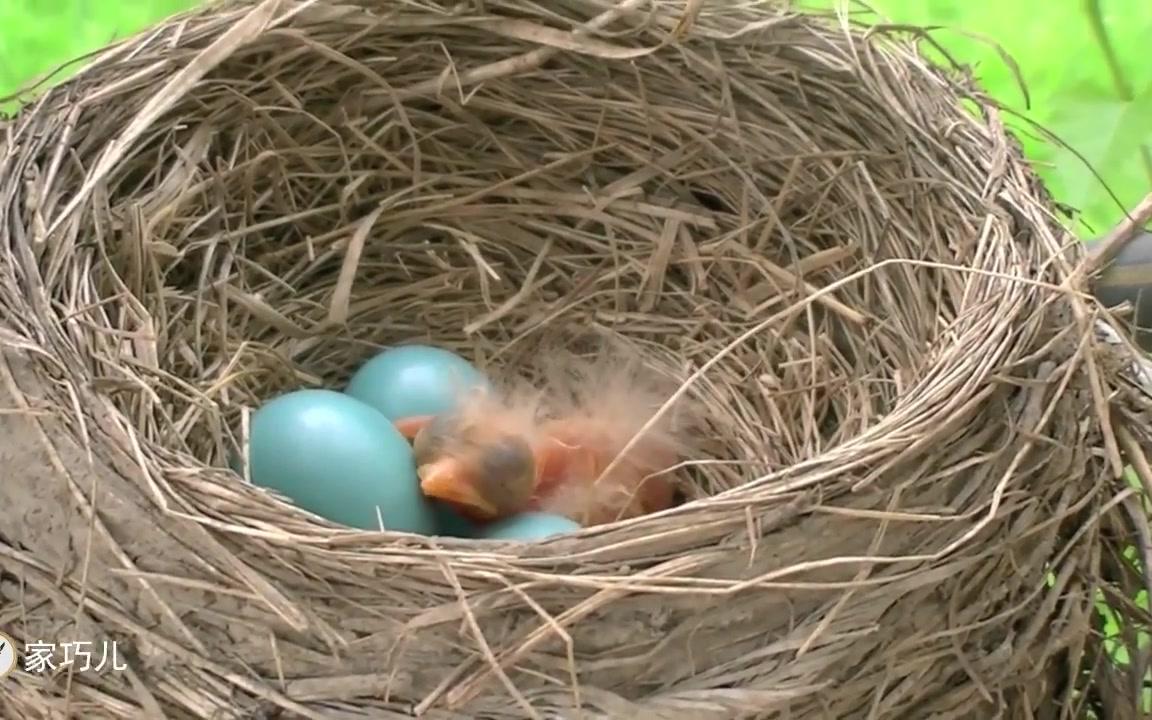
column 908, row 499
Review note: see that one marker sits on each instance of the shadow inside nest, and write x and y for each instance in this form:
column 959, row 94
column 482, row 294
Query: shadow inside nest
column 294, row 282
column 281, row 252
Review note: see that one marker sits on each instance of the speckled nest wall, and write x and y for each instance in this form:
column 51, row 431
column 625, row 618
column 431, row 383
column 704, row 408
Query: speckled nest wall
column 909, row 500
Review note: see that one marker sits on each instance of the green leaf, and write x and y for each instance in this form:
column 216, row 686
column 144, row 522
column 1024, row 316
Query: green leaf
column 1111, row 135
column 1070, row 88
column 37, row 36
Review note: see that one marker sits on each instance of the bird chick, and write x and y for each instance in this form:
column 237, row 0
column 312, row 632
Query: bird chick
column 587, row 447
column 606, row 451
column 480, row 458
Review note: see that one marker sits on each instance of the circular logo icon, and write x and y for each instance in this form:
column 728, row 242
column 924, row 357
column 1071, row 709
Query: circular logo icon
column 7, row 655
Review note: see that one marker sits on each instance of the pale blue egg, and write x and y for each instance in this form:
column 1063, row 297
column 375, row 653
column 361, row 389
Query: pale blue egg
column 338, row 458
column 529, row 526
column 410, row 380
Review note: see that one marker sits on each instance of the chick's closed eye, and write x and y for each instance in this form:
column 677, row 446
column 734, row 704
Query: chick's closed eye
column 429, row 441
column 506, row 459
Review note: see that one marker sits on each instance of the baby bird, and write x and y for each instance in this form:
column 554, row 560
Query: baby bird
column 480, row 459
column 561, row 451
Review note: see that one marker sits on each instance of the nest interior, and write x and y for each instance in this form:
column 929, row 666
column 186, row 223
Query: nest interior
column 904, row 509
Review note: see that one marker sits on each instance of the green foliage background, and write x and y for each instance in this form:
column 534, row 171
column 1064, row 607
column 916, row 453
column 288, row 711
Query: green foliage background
column 1072, row 91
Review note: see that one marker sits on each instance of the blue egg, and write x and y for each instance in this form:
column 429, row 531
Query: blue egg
column 411, row 380
column 529, row 526
column 451, row 523
column 334, row 456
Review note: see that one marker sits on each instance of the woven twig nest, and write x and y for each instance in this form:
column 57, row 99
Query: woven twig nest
column 910, row 500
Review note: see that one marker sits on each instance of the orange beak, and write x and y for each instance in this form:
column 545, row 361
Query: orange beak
column 410, row 427
column 445, row 480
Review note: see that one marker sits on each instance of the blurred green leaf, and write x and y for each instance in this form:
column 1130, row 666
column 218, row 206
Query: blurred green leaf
column 1070, row 88
column 1110, row 135
column 36, row 36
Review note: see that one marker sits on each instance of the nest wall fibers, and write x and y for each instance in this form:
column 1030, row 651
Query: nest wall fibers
column 907, row 494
